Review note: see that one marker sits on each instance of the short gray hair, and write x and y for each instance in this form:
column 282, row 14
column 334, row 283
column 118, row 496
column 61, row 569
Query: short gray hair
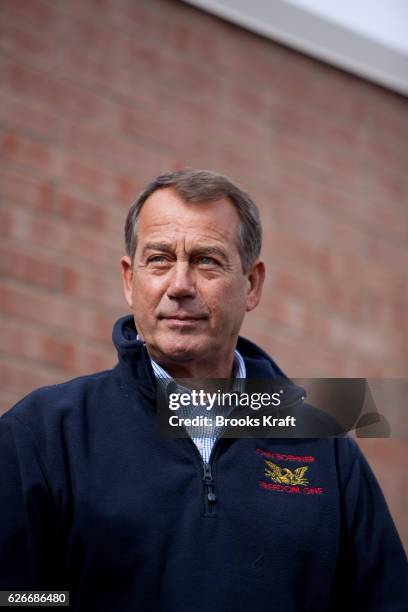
column 204, row 186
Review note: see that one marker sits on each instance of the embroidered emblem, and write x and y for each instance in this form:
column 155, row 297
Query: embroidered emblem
column 284, row 457
column 285, row 475
column 287, row 480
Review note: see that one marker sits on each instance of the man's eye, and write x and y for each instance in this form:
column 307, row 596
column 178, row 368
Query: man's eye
column 206, row 261
column 157, row 259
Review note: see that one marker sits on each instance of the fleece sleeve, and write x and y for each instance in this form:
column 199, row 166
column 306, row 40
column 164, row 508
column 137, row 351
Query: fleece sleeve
column 26, row 511
column 372, row 573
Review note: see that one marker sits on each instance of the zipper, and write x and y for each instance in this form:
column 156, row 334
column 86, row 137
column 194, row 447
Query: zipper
column 210, row 496
column 209, row 493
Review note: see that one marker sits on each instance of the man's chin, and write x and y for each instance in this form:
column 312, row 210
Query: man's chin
column 181, row 354
column 180, row 349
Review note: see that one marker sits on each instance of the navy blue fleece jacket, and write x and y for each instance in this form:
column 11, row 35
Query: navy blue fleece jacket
column 93, row 501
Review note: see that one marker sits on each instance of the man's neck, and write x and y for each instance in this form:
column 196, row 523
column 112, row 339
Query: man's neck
column 198, row 370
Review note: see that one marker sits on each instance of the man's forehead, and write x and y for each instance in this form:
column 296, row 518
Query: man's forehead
column 167, row 204
column 165, row 212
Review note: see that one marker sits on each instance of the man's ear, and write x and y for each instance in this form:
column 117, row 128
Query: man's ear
column 256, row 277
column 127, row 277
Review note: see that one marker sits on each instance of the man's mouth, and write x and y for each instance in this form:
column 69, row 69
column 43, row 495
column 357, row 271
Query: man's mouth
column 183, row 319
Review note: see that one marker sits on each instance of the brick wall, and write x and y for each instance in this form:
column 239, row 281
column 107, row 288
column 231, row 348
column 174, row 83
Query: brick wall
column 99, row 96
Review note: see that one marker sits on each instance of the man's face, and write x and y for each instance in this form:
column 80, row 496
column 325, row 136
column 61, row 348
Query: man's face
column 186, row 287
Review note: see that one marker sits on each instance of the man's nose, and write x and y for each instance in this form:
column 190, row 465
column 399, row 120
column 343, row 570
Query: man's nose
column 182, row 282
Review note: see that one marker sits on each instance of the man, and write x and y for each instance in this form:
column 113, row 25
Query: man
column 94, row 501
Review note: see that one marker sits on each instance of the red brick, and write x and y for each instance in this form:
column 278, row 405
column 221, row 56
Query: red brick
column 76, row 210
column 81, row 360
column 35, row 307
column 118, row 150
column 18, row 114
column 18, row 188
column 90, row 287
column 40, row 14
column 86, row 173
column 22, row 377
column 26, row 44
column 26, row 152
column 127, row 188
column 32, row 270
column 36, row 85
column 40, row 346
column 8, row 399
column 78, row 242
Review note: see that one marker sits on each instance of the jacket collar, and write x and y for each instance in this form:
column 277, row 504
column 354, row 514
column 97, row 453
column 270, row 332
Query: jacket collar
column 135, row 364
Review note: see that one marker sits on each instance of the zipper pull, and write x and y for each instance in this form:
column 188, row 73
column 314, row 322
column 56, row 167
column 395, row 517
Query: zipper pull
column 209, row 482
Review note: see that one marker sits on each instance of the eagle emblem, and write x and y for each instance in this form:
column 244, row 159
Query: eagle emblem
column 285, row 475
